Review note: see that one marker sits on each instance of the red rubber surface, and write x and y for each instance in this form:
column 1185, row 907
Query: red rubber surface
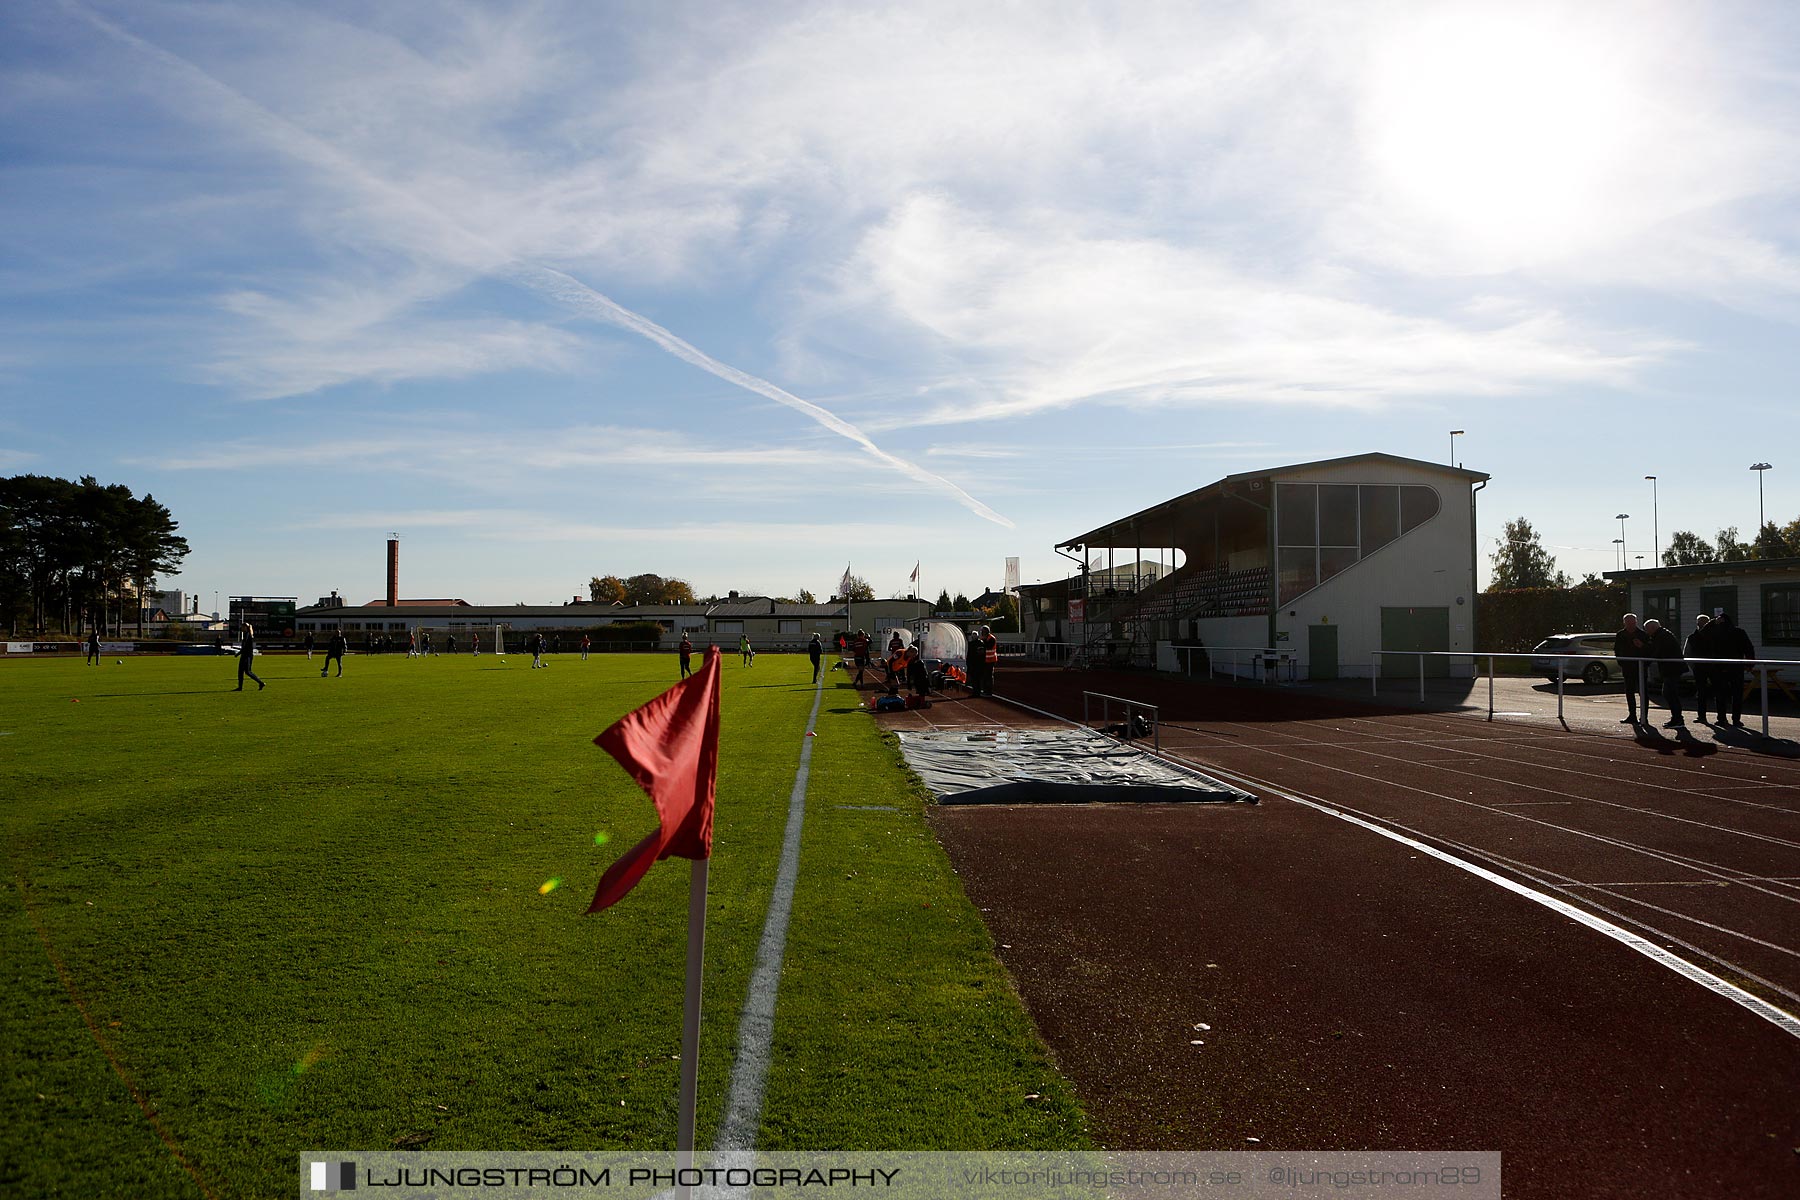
column 1363, row 995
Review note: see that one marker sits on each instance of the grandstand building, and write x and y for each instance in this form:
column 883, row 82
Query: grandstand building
column 1321, row 563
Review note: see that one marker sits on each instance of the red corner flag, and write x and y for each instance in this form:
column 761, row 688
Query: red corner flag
column 671, row 747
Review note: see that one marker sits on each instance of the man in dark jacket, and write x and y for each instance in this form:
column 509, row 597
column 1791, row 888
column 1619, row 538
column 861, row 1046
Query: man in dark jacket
column 815, row 650
column 247, row 657
column 1728, row 641
column 1699, row 644
column 334, row 649
column 1667, row 653
column 1629, row 644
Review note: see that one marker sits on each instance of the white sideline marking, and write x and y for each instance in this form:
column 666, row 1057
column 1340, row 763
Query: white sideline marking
column 756, row 1027
column 1780, row 1018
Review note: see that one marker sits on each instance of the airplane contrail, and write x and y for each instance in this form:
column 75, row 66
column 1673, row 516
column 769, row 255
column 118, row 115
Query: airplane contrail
column 496, row 259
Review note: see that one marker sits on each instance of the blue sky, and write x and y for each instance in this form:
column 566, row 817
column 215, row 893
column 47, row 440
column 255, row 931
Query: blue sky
column 741, row 293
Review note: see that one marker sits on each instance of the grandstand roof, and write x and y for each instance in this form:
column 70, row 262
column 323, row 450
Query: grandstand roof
column 1170, row 510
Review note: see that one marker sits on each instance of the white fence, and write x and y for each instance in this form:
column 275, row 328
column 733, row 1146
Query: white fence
column 1763, row 667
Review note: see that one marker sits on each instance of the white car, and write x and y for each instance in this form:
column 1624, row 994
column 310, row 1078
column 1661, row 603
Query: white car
column 1551, row 665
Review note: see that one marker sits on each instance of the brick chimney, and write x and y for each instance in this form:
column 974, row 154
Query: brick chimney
column 393, row 597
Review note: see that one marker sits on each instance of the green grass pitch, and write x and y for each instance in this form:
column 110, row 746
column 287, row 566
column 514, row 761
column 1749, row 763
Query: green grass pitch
column 240, row 926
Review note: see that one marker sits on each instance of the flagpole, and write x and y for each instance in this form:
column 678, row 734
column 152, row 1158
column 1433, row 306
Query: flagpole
column 690, row 1026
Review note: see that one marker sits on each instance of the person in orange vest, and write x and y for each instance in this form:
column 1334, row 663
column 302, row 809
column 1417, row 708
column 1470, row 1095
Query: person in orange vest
column 985, row 649
column 859, row 650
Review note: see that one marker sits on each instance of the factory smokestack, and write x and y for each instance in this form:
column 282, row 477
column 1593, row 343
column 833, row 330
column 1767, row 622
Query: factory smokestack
column 393, row 572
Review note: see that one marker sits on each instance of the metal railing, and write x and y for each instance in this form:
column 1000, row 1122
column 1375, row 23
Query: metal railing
column 1267, row 663
column 1132, row 709
column 1762, row 666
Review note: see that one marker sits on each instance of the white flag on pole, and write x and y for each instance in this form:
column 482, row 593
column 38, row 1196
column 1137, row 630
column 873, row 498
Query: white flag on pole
column 844, row 583
column 915, row 574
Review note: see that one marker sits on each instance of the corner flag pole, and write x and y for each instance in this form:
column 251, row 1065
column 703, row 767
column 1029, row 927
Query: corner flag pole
column 690, row 1026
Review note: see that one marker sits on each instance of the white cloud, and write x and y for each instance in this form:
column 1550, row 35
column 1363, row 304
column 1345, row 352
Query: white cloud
column 1066, row 317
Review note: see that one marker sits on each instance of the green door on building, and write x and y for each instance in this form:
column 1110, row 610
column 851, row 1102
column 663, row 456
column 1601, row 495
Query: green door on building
column 1714, row 598
column 1414, row 629
column 1321, row 652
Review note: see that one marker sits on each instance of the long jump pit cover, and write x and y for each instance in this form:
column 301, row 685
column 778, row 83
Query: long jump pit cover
column 1052, row 766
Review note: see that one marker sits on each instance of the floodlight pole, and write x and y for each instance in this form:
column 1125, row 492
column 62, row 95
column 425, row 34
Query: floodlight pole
column 1759, row 468
column 1655, row 525
column 1454, row 434
column 1622, row 518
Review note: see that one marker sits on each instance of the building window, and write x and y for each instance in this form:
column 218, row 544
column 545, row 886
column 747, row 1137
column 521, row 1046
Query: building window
column 1781, row 614
column 1324, row 529
column 1664, row 606
column 728, row 627
column 787, row 626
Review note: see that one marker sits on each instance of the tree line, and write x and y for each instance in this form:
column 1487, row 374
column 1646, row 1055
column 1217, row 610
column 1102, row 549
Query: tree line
column 1520, row 560
column 78, row 554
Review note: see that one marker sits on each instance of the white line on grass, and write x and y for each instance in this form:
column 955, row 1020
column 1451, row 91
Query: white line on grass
column 756, row 1027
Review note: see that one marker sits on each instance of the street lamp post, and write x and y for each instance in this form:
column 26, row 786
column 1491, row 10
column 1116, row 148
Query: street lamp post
column 1620, row 543
column 1759, row 468
column 1621, row 519
column 1454, row 434
column 1655, row 525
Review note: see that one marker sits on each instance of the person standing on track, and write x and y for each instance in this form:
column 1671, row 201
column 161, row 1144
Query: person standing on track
column 247, row 657
column 1699, row 645
column 990, row 658
column 1667, row 653
column 815, row 650
column 859, row 650
column 1728, row 683
column 1630, row 645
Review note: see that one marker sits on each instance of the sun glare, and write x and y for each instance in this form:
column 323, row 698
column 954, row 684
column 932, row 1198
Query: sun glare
column 1501, row 129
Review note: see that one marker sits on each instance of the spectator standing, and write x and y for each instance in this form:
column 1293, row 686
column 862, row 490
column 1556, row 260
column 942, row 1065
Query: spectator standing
column 1630, row 645
column 859, row 650
column 815, row 650
column 1669, row 667
column 1699, row 645
column 247, row 657
column 1728, row 684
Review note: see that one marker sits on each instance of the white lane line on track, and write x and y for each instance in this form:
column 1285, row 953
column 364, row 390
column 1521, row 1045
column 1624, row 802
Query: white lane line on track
column 1761, row 763
column 1535, row 874
column 1696, row 864
column 1781, row 1019
column 1681, row 860
column 1595, row 775
column 756, row 1025
column 1762, row 1008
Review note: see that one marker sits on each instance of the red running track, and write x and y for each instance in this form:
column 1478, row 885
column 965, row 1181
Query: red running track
column 1369, row 995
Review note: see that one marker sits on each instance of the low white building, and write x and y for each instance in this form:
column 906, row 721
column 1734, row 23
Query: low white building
column 1325, row 562
column 1762, row 596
